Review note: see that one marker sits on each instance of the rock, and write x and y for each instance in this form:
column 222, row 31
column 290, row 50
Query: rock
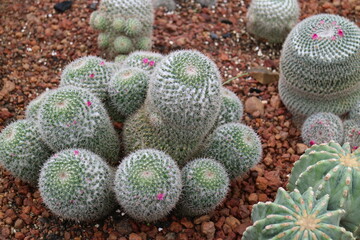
column 261, row 183
column 186, row 223
column 19, row 235
column 300, row 148
column 214, row 36
column 275, row 101
column 232, row 222
column 7, row 88
column 175, row 227
column 134, row 236
column 208, row 229
column 253, row 198
column 262, row 197
column 263, row 75
column 5, row 232
column 226, row 21
column 170, row 236
column 93, row 6
column 123, row 227
column 63, row 6
column 254, row 104
column 202, row 219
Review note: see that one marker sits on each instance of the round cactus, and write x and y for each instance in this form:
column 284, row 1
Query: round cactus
column 90, row 72
column 127, row 90
column 185, row 92
column 334, row 170
column 133, row 27
column 99, row 21
column 123, row 45
column 232, row 108
column 236, row 146
column 143, row 43
column 320, row 66
column 144, row 60
column 296, row 216
column 148, row 184
column 22, row 151
column 206, row 184
column 76, row 184
column 321, row 128
column 272, row 19
column 33, row 107
column 355, row 112
column 72, row 117
column 352, row 133
column 104, row 40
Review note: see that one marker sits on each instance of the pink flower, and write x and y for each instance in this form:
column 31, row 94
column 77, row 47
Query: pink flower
column 74, row 122
column 312, row 142
column 102, row 63
column 314, row 36
column 92, row 75
column 151, row 63
column 145, row 60
column 160, row 196
column 333, row 23
column 76, row 152
column 333, row 38
column 355, row 147
column 88, row 103
column 322, row 22
column 340, row 32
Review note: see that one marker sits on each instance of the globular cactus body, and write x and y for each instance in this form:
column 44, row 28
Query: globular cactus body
column 144, row 60
column 352, row 133
column 33, row 107
column 232, row 109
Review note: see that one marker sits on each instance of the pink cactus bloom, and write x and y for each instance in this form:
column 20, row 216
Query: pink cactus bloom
column 322, row 22
column 312, row 142
column 92, row 75
column 160, row 196
column 102, row 63
column 355, row 147
column 76, row 152
column 88, row 103
column 314, row 36
column 340, row 32
column 151, row 63
column 145, row 60
column 333, row 38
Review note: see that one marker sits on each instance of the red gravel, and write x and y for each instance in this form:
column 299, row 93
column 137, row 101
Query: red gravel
column 36, row 43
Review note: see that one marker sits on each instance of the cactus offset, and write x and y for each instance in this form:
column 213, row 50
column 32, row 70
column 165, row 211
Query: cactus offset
column 232, row 109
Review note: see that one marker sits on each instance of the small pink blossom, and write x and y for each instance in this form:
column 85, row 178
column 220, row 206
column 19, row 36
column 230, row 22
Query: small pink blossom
column 74, row 122
column 355, row 147
column 92, row 75
column 359, row 132
column 76, row 152
column 322, row 22
column 145, row 60
column 334, row 23
column 340, row 32
column 314, row 36
column 88, row 103
column 102, row 63
column 160, row 196
column 151, row 63
column 312, row 142
column 333, row 38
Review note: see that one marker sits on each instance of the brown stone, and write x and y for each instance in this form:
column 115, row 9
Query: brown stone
column 261, row 183
column 186, row 223
column 253, row 198
column 5, row 231
column 232, row 222
column 263, row 75
column 254, row 104
column 201, row 219
column 19, row 235
column 134, row 236
column 208, row 229
column 275, row 101
column 262, row 197
column 300, row 148
column 175, row 227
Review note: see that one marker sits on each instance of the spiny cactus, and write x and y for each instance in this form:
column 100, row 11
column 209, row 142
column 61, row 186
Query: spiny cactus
column 72, row 117
column 125, row 25
column 206, row 184
column 91, row 73
column 144, row 60
column 272, row 19
column 207, row 3
column 321, row 128
column 352, row 133
column 185, row 92
column 22, row 151
column 148, row 184
column 296, row 216
column 320, row 66
column 236, row 146
column 33, row 107
column 355, row 112
column 232, row 108
column 77, row 184
column 331, row 169
column 170, row 5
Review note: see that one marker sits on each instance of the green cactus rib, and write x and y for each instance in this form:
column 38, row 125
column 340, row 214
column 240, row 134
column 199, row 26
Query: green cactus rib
column 76, row 184
column 332, row 169
column 296, row 216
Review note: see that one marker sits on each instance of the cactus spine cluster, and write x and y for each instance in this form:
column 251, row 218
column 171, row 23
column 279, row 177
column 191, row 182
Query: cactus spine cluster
column 125, row 25
column 331, row 169
column 296, row 216
column 148, row 184
column 144, row 60
column 320, row 66
column 232, row 109
column 76, row 184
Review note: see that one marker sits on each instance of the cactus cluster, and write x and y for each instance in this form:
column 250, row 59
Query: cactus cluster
column 272, row 19
column 320, row 66
column 124, row 25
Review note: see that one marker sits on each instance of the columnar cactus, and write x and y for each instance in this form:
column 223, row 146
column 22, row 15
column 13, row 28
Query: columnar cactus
column 33, row 107
column 321, row 128
column 90, row 72
column 125, row 25
column 236, row 146
column 206, row 184
column 296, row 216
column 320, row 66
column 232, row 109
column 352, row 133
column 148, row 184
column 22, row 151
column 72, row 117
column 144, row 60
column 272, row 19
column 77, row 184
column 332, row 169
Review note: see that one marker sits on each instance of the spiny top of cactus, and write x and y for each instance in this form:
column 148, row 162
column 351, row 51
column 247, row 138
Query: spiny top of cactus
column 274, row 9
column 296, row 216
column 143, row 59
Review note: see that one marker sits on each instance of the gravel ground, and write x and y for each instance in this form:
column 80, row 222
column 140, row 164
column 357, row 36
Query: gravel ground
column 36, row 43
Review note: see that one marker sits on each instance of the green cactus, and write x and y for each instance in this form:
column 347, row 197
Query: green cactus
column 123, row 45
column 99, row 21
column 144, row 60
column 321, row 128
column 206, row 184
column 127, row 90
column 89, row 72
column 207, row 3
column 320, row 66
column 76, row 184
column 22, row 151
column 170, row 5
column 332, row 169
column 296, row 216
column 236, row 146
column 352, row 133
column 354, row 112
column 103, row 40
column 72, row 117
column 33, row 107
column 272, row 19
column 232, row 108
column 148, row 184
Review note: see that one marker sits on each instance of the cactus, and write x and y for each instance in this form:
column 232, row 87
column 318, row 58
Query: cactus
column 185, row 92
column 22, row 151
column 76, row 184
column 272, row 19
column 352, row 133
column 72, row 117
column 321, row 128
column 355, row 112
column 91, row 73
column 148, row 184
column 232, row 108
column 127, row 90
column 296, row 216
column 33, row 107
column 236, row 146
column 320, row 66
column 332, row 169
column 170, row 5
column 207, row 3
column 125, row 25
column 144, row 60
column 206, row 184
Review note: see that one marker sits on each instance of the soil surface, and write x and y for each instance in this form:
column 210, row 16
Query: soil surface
column 36, row 43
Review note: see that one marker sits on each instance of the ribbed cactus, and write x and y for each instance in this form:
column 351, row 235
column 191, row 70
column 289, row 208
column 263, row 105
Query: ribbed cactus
column 77, row 184
column 206, row 184
column 296, row 216
column 148, row 184
column 272, row 19
column 185, row 92
column 144, row 60
column 320, row 66
column 322, row 128
column 127, row 89
column 22, row 151
column 352, row 133
column 334, row 170
column 72, row 117
column 33, row 107
column 236, row 146
column 170, row 5
column 125, row 25
column 232, row 109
